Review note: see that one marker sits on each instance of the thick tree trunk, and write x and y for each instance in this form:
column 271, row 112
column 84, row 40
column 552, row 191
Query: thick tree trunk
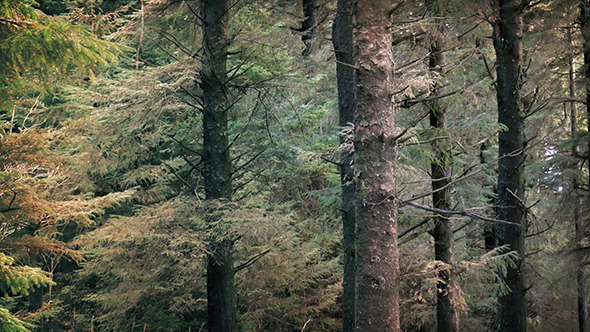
column 441, row 197
column 342, row 39
column 309, row 25
column 221, row 294
column 507, row 35
column 377, row 282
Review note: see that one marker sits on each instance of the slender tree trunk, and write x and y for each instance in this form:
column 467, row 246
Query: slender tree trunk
column 441, row 197
column 507, row 35
column 221, row 294
column 581, row 224
column 342, row 39
column 580, row 274
column 377, row 289
column 309, row 25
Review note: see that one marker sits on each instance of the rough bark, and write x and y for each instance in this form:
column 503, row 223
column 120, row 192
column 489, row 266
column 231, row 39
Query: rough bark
column 342, row 40
column 377, row 289
column 309, row 25
column 221, row 294
column 507, row 35
column 446, row 317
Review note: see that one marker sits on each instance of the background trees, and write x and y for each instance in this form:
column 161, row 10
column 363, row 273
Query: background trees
column 111, row 187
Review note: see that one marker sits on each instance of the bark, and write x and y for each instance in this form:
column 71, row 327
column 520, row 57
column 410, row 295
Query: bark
column 221, row 294
column 507, row 35
column 581, row 224
column 342, row 39
column 377, row 290
column 446, row 317
column 309, row 25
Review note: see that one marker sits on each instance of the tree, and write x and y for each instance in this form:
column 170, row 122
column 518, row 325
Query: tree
column 441, row 185
column 507, row 35
column 217, row 172
column 580, row 223
column 343, row 49
column 377, row 293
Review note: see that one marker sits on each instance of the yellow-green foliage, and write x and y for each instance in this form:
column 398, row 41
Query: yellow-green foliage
column 18, row 280
column 39, row 48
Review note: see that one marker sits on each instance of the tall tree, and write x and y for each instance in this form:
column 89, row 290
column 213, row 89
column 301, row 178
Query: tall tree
column 441, row 184
column 580, row 224
column 217, row 172
column 377, row 289
column 507, row 39
column 343, row 48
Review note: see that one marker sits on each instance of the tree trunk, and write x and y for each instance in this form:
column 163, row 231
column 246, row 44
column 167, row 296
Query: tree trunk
column 221, row 294
column 441, row 198
column 377, row 290
column 580, row 275
column 507, row 35
column 581, row 224
column 309, row 25
column 342, row 39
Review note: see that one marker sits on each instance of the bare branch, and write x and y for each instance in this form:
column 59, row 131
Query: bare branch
column 251, row 261
column 462, row 213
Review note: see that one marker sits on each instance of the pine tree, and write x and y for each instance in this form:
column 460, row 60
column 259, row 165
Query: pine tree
column 217, row 172
column 507, row 35
column 343, row 49
column 441, row 184
column 377, row 269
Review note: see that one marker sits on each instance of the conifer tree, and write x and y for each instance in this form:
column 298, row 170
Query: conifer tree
column 441, row 183
column 377, row 279
column 343, row 48
column 581, row 223
column 217, row 172
column 507, row 38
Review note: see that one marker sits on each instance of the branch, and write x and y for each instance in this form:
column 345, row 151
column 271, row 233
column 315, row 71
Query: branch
column 418, row 225
column 406, row 36
column 9, row 21
column 460, row 178
column 241, row 167
column 251, row 261
column 241, row 185
column 409, row 103
column 331, row 162
column 9, row 208
column 541, row 231
column 488, row 69
column 462, row 213
column 173, row 171
column 412, row 125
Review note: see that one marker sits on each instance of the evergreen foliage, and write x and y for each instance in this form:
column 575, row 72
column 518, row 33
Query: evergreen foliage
column 102, row 198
